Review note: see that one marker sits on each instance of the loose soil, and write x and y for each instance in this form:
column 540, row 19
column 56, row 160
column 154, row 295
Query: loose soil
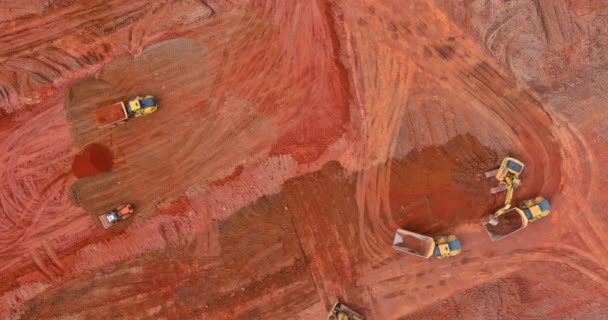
column 507, row 223
column 109, row 115
column 94, row 159
column 435, row 189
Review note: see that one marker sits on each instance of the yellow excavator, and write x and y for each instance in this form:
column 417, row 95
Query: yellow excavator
column 508, row 174
column 340, row 311
column 515, row 218
column 494, row 218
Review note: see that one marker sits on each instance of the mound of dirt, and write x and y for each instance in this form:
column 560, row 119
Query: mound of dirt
column 507, row 223
column 94, row 159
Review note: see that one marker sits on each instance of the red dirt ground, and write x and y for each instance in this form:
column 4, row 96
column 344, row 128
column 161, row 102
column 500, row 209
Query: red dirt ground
column 292, row 139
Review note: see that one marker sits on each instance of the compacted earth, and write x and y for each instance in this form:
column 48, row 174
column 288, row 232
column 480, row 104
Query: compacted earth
column 291, row 140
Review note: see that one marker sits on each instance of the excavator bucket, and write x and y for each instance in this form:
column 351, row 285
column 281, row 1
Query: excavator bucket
column 413, row 243
column 340, row 311
column 506, row 224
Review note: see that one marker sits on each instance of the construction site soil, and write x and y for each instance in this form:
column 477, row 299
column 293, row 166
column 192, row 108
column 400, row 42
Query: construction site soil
column 292, row 139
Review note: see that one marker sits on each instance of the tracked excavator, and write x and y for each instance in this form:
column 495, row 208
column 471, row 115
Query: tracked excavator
column 340, row 311
column 508, row 174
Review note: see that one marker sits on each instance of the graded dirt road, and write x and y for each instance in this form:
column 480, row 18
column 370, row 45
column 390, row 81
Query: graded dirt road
column 292, row 139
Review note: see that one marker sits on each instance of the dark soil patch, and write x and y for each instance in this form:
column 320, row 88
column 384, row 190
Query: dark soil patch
column 94, row 159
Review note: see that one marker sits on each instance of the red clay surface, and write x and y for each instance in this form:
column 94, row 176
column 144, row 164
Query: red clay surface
column 292, row 139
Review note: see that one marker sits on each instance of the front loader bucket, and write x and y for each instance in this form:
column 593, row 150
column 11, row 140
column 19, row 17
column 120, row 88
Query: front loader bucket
column 508, row 223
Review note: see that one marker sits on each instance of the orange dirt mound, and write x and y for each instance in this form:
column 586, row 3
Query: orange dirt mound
column 94, row 159
column 507, row 223
column 439, row 187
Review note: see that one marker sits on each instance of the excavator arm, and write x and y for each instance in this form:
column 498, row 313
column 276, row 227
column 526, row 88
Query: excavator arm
column 509, row 181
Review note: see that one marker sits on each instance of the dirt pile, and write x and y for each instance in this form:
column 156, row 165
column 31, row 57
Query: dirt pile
column 94, row 159
column 507, row 223
column 439, row 187
column 108, row 115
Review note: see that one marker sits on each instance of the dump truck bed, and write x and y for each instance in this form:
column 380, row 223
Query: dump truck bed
column 508, row 223
column 413, row 243
column 110, row 115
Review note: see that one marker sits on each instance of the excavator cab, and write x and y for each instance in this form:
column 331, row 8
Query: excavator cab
column 508, row 174
column 340, row 311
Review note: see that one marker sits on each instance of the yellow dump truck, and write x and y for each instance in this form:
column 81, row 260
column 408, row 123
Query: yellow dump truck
column 424, row 246
column 119, row 112
column 505, row 223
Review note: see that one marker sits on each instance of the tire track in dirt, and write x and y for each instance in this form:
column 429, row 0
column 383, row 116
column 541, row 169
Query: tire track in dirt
column 258, row 274
column 337, row 260
column 265, row 102
column 35, row 63
column 191, row 124
column 440, row 50
column 556, row 21
column 568, row 66
column 27, row 176
column 521, row 295
column 577, row 191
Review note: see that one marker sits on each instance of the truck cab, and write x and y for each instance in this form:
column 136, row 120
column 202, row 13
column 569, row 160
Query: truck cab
column 536, row 208
column 141, row 106
column 447, row 246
